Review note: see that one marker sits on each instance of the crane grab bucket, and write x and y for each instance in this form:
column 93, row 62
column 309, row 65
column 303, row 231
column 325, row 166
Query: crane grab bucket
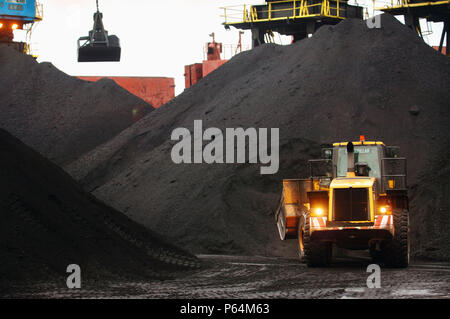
column 99, row 46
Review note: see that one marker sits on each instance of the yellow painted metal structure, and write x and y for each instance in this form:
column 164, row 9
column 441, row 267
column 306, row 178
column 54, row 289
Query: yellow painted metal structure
column 296, row 18
column 39, row 11
column 359, row 143
column 298, row 10
column 399, row 4
column 353, row 182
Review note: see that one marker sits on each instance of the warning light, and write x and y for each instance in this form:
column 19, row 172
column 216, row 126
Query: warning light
column 362, row 138
column 391, row 183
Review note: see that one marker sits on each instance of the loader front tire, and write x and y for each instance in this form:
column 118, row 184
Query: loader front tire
column 397, row 252
column 301, row 239
column 281, row 224
column 316, row 254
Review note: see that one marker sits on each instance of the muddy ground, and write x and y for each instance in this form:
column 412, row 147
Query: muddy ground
column 265, row 277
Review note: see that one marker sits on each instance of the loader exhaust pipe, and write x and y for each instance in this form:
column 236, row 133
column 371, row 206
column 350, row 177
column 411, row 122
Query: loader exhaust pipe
column 351, row 160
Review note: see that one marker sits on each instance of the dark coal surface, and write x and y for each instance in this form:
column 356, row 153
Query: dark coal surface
column 345, row 81
column 48, row 222
column 431, row 208
column 61, row 116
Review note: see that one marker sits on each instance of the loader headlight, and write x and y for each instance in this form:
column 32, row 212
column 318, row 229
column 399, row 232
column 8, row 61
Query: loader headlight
column 318, row 212
column 14, row 26
column 1, row 25
column 385, row 210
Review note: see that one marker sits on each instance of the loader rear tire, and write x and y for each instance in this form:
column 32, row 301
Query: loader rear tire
column 396, row 253
column 316, row 254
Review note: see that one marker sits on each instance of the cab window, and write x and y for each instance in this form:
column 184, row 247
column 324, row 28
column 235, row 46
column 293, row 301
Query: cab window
column 363, row 154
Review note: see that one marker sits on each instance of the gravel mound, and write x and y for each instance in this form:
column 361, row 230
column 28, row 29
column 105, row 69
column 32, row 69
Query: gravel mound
column 61, row 116
column 49, row 222
column 345, row 81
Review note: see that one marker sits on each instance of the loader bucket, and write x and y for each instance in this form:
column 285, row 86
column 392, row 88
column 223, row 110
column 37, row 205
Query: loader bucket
column 291, row 191
column 101, row 52
column 292, row 202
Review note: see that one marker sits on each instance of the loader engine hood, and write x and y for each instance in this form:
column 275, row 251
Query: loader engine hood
column 353, row 182
column 352, row 199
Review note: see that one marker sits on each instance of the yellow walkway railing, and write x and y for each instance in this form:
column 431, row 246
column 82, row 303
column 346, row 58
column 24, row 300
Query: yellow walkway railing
column 39, row 11
column 396, row 4
column 299, row 9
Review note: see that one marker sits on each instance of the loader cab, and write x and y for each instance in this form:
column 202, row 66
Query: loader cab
column 368, row 160
column 373, row 159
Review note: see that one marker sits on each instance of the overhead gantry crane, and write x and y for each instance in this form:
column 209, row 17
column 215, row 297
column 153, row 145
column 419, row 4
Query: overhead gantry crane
column 296, row 18
column 414, row 10
column 19, row 15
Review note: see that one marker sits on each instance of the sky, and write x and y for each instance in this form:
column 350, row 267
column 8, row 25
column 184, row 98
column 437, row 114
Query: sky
column 158, row 38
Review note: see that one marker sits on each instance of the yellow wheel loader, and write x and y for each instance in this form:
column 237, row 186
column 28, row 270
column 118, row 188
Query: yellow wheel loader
column 356, row 198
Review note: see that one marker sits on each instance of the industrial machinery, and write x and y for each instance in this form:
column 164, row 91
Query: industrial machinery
column 432, row 10
column 197, row 71
column 18, row 15
column 99, row 46
column 297, row 18
column 355, row 198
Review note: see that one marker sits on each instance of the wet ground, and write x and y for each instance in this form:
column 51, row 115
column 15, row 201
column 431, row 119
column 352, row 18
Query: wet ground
column 259, row 277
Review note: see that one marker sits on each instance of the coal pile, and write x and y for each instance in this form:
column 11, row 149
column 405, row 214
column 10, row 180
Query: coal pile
column 61, row 116
column 431, row 206
column 49, row 222
column 346, row 80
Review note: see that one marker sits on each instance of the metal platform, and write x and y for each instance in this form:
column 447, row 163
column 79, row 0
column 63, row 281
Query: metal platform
column 297, row 18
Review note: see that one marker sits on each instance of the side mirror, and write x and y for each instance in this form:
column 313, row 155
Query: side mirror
column 327, row 153
column 392, row 152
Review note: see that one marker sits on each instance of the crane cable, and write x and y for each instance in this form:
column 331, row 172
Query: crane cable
column 97, row 6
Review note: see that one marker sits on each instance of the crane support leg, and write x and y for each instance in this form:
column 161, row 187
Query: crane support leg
column 257, row 37
column 311, row 27
column 413, row 23
column 445, row 31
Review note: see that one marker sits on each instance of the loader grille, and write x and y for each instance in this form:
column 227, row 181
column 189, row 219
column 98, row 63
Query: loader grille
column 351, row 204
